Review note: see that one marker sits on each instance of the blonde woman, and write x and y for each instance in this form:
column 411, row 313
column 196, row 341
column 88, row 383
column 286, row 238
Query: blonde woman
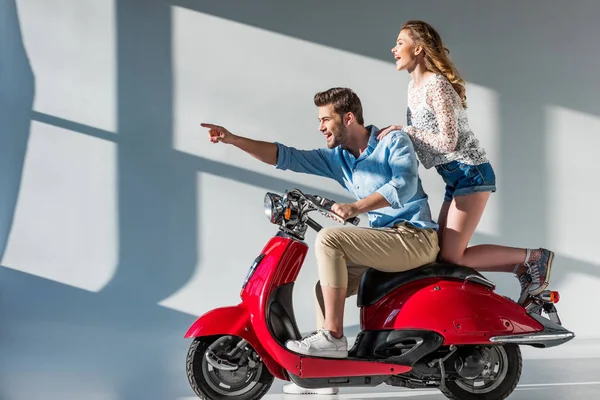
column 438, row 126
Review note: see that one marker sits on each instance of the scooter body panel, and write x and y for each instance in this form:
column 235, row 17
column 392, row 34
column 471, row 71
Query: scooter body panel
column 280, row 262
column 462, row 312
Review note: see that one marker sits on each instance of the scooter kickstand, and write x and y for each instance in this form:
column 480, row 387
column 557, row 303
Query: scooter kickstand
column 441, row 362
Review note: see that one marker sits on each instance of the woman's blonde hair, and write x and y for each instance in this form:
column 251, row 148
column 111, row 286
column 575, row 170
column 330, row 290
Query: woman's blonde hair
column 436, row 54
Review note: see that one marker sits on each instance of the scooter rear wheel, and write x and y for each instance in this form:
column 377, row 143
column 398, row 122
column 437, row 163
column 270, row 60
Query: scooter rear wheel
column 497, row 382
column 214, row 373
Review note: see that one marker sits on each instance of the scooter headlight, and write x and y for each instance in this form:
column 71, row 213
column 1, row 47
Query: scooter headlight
column 273, row 208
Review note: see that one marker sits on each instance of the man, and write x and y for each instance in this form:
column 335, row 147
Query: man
column 383, row 177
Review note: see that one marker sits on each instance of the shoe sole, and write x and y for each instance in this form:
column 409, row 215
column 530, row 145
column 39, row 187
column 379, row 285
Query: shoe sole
column 322, row 392
column 323, row 354
column 544, row 285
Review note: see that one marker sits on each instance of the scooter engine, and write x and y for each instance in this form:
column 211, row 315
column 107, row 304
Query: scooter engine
column 470, row 365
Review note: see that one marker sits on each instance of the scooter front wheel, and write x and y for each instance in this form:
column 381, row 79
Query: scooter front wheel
column 226, row 367
column 503, row 365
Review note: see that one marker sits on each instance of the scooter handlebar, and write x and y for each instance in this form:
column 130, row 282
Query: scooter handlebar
column 326, row 205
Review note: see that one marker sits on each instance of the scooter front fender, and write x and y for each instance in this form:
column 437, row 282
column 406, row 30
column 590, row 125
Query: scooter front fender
column 234, row 321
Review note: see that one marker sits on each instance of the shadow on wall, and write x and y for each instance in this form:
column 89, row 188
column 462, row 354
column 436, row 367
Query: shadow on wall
column 491, row 42
column 117, row 343
column 17, row 88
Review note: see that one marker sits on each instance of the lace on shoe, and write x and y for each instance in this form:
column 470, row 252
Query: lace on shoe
column 315, row 335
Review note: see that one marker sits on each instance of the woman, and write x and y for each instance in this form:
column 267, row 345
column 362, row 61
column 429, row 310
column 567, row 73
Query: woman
column 438, row 126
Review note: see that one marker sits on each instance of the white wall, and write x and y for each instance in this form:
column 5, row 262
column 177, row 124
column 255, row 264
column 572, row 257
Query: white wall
column 120, row 222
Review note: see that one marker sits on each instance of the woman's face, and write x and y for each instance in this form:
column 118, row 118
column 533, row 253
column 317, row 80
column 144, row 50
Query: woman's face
column 404, row 52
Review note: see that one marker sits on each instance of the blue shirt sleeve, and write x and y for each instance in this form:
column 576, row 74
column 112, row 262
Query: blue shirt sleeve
column 405, row 171
column 319, row 162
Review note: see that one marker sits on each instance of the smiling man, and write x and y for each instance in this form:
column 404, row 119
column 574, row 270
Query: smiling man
column 383, row 176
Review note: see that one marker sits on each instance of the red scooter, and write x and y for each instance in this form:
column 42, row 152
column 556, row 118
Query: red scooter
column 439, row 325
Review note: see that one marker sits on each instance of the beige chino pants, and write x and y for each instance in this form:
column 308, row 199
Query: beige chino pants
column 345, row 253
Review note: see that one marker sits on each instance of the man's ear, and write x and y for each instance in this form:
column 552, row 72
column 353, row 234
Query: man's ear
column 348, row 118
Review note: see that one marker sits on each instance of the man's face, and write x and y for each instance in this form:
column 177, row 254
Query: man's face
column 332, row 126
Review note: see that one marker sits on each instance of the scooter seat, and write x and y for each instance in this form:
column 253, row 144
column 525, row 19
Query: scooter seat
column 376, row 284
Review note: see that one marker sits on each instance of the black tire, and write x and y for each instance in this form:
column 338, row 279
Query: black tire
column 210, row 383
column 499, row 390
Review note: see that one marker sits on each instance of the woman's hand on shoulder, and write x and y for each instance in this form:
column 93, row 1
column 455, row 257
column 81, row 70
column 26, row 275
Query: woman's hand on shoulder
column 385, row 131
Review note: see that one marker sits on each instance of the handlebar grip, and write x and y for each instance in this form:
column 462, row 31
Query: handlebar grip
column 327, row 204
column 354, row 221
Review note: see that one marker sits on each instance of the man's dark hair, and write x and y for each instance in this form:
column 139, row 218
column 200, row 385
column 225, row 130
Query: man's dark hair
column 343, row 100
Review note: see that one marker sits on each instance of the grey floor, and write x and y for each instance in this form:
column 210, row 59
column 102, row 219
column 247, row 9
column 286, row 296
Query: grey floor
column 548, row 379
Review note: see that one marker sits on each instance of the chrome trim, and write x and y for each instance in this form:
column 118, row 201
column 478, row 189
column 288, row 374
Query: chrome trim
column 273, row 207
column 532, row 338
column 480, row 280
column 250, row 272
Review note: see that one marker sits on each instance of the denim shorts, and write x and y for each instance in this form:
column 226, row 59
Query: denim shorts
column 462, row 179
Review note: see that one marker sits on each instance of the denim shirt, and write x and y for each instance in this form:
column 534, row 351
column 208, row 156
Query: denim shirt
column 389, row 167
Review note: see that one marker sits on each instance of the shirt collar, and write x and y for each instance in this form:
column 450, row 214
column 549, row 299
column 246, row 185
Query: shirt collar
column 372, row 141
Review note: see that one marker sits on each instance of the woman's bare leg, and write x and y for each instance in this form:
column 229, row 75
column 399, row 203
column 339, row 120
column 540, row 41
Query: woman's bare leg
column 462, row 217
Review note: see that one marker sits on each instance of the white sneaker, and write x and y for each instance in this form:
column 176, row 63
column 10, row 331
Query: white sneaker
column 292, row 388
column 320, row 343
